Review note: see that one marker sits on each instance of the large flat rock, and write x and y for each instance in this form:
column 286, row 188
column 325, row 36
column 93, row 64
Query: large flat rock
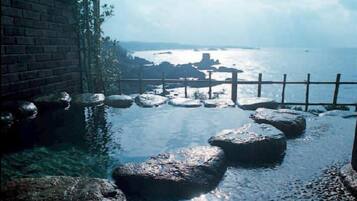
column 89, row 99
column 150, row 100
column 185, row 102
column 60, row 188
column 253, row 103
column 219, row 103
column 349, row 178
column 182, row 174
column 54, row 100
column 21, row 109
column 251, row 143
column 119, row 101
column 291, row 124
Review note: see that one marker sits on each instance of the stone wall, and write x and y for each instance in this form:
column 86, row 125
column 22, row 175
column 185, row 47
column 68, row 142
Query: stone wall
column 39, row 48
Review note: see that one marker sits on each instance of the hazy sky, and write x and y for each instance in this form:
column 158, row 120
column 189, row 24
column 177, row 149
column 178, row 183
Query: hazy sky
column 259, row 23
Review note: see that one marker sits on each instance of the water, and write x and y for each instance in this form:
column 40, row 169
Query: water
column 322, row 64
column 91, row 141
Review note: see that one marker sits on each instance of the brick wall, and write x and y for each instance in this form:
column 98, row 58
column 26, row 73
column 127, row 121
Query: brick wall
column 39, row 48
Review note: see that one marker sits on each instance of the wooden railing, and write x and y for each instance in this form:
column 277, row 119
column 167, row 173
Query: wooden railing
column 235, row 82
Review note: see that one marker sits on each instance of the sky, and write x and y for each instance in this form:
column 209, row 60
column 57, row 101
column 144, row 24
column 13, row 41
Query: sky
column 254, row 23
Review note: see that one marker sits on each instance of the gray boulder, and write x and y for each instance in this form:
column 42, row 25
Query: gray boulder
column 185, row 102
column 150, row 100
column 89, row 99
column 291, row 124
column 182, row 174
column 339, row 113
column 119, row 101
column 21, row 109
column 220, row 103
column 349, row 178
column 251, row 143
column 55, row 100
column 60, row 188
column 254, row 103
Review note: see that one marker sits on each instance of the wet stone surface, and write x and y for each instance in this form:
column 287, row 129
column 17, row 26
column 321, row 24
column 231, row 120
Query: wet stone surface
column 251, row 143
column 89, row 99
column 219, row 103
column 349, row 178
column 182, row 174
column 291, row 124
column 185, row 102
column 327, row 186
column 21, row 109
column 119, row 101
column 60, row 188
column 254, row 103
column 150, row 100
column 55, row 100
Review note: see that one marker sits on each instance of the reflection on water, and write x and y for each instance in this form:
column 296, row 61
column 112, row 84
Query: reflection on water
column 322, row 64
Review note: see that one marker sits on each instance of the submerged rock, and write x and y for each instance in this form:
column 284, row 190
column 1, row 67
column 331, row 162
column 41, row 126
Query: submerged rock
column 254, row 103
column 89, row 99
column 6, row 119
column 55, row 100
column 291, row 124
column 60, row 188
column 185, row 102
column 349, row 178
column 150, row 100
column 251, row 143
column 339, row 113
column 21, row 109
column 183, row 174
column 120, row 101
column 220, row 103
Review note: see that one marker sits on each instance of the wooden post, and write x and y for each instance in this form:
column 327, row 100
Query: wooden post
column 234, row 86
column 141, row 81
column 307, row 92
column 185, row 87
column 354, row 151
column 335, row 94
column 163, row 84
column 119, row 83
column 210, row 85
column 283, row 90
column 260, row 85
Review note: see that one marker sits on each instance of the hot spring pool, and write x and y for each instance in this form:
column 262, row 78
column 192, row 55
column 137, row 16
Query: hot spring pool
column 91, row 141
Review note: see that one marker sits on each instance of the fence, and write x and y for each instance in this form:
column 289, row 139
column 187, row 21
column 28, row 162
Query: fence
column 234, row 85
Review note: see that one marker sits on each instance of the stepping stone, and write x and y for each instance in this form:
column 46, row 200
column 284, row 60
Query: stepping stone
column 184, row 173
column 119, row 101
column 292, row 125
column 185, row 102
column 251, row 143
column 89, row 99
column 349, row 178
column 150, row 100
column 254, row 103
column 6, row 119
column 55, row 100
column 21, row 109
column 61, row 188
column 339, row 113
column 220, row 103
